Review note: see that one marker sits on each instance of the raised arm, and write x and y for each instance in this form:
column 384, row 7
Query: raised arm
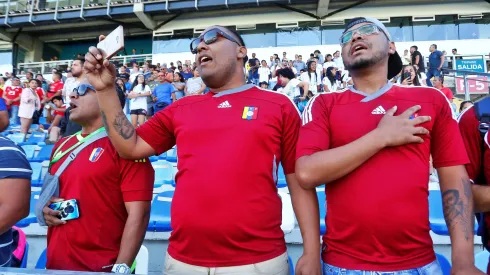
column 101, row 75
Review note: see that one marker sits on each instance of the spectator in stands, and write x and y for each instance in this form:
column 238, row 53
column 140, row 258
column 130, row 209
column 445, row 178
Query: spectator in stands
column 138, row 100
column 417, row 59
column 312, row 77
column 406, row 58
column 320, row 57
column 29, row 104
column 12, row 99
column 330, row 84
column 179, row 85
column 264, row 85
column 163, row 93
column 387, row 147
column 290, row 66
column 57, row 108
column 15, row 190
column 338, row 60
column 465, row 105
column 186, row 72
column 439, row 84
column 412, row 79
column 122, row 86
column 253, row 72
column 29, row 76
column 445, row 65
column 436, row 60
column 113, row 196
column 291, row 84
column 135, row 72
column 73, row 82
column 328, row 63
column 299, row 64
column 264, row 73
column 244, row 236
column 44, row 84
column 195, row 85
column 284, row 57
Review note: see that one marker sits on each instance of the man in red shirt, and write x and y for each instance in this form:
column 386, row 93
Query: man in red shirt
column 113, row 195
column 376, row 172
column 55, row 89
column 226, row 215
column 479, row 167
column 438, row 82
column 12, row 99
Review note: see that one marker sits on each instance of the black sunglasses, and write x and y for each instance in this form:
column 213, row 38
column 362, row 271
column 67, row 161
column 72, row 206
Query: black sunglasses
column 83, row 89
column 210, row 37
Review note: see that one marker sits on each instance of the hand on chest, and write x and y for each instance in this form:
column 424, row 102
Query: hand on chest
column 352, row 121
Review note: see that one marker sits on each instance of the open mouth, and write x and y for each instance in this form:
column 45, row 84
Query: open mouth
column 205, row 59
column 73, row 105
column 358, row 48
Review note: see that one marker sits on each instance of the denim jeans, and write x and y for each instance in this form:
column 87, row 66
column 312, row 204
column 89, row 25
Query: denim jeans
column 14, row 114
column 430, row 269
column 430, row 74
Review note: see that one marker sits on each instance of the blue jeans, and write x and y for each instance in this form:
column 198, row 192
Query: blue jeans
column 430, row 269
column 430, row 74
column 14, row 114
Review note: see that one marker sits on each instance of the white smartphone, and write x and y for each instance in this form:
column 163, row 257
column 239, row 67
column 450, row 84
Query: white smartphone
column 112, row 43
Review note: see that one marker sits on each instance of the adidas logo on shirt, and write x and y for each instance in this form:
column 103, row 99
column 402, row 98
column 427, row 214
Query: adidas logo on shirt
column 379, row 111
column 224, row 105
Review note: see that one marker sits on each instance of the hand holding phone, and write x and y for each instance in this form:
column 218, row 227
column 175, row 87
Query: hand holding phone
column 112, row 43
column 68, row 209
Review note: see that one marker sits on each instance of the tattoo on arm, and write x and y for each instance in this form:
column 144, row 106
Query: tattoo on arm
column 458, row 209
column 104, row 119
column 123, row 126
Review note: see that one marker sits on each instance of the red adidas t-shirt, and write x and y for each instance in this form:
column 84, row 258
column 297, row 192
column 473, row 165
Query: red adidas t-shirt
column 101, row 182
column 378, row 216
column 226, row 210
column 13, row 93
column 54, row 87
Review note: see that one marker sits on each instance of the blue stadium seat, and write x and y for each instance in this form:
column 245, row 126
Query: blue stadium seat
column 42, row 120
column 164, row 173
column 172, row 155
column 160, row 157
column 36, row 177
column 291, row 265
column 41, row 262
column 29, row 150
column 31, row 218
column 436, row 214
column 23, row 263
column 281, row 177
column 321, row 203
column 481, row 260
column 17, row 137
column 35, row 138
column 444, row 263
column 160, row 212
column 44, row 153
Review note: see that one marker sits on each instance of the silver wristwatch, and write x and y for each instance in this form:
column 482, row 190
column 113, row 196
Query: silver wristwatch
column 121, row 269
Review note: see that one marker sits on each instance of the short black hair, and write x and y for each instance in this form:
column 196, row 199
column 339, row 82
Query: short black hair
column 435, row 46
column 240, row 40
column 81, row 59
column 415, row 47
column 287, row 73
column 58, row 74
column 58, row 97
column 463, row 101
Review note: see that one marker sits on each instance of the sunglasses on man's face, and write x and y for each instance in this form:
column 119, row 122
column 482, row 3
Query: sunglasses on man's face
column 83, row 89
column 210, row 37
column 362, row 30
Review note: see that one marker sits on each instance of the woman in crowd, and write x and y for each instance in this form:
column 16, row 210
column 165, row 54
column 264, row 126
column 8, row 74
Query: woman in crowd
column 409, row 76
column 195, row 85
column 179, row 85
column 311, row 76
column 330, row 84
column 138, row 105
column 465, row 105
column 29, row 103
column 122, row 87
column 44, row 84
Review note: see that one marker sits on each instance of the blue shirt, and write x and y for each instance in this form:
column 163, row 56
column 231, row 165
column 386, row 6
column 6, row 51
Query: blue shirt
column 163, row 92
column 435, row 59
column 3, row 107
column 187, row 75
column 13, row 165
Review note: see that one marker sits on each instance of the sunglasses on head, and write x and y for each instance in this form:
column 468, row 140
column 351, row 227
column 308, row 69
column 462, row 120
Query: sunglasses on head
column 210, row 37
column 83, row 89
column 362, row 30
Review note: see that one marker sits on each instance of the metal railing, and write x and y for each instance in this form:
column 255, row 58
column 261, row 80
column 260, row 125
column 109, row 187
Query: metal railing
column 47, row 67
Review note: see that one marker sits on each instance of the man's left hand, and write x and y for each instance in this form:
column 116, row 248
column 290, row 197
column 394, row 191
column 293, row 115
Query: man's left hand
column 309, row 265
column 470, row 270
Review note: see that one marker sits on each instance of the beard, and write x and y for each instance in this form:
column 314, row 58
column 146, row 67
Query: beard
column 365, row 62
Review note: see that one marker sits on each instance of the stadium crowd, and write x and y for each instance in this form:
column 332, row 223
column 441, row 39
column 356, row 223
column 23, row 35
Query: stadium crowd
column 118, row 117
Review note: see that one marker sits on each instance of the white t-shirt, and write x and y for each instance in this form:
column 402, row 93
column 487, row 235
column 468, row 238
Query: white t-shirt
column 68, row 87
column 329, row 64
column 264, row 73
column 313, row 82
column 339, row 62
column 139, row 102
column 331, row 88
column 193, row 85
column 291, row 89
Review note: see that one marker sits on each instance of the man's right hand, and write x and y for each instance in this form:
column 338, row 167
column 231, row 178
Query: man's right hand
column 100, row 72
column 50, row 215
column 400, row 130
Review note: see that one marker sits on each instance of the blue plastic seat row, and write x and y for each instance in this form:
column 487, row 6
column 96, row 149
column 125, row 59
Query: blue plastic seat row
column 44, row 153
column 164, row 173
column 160, row 212
column 31, row 218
